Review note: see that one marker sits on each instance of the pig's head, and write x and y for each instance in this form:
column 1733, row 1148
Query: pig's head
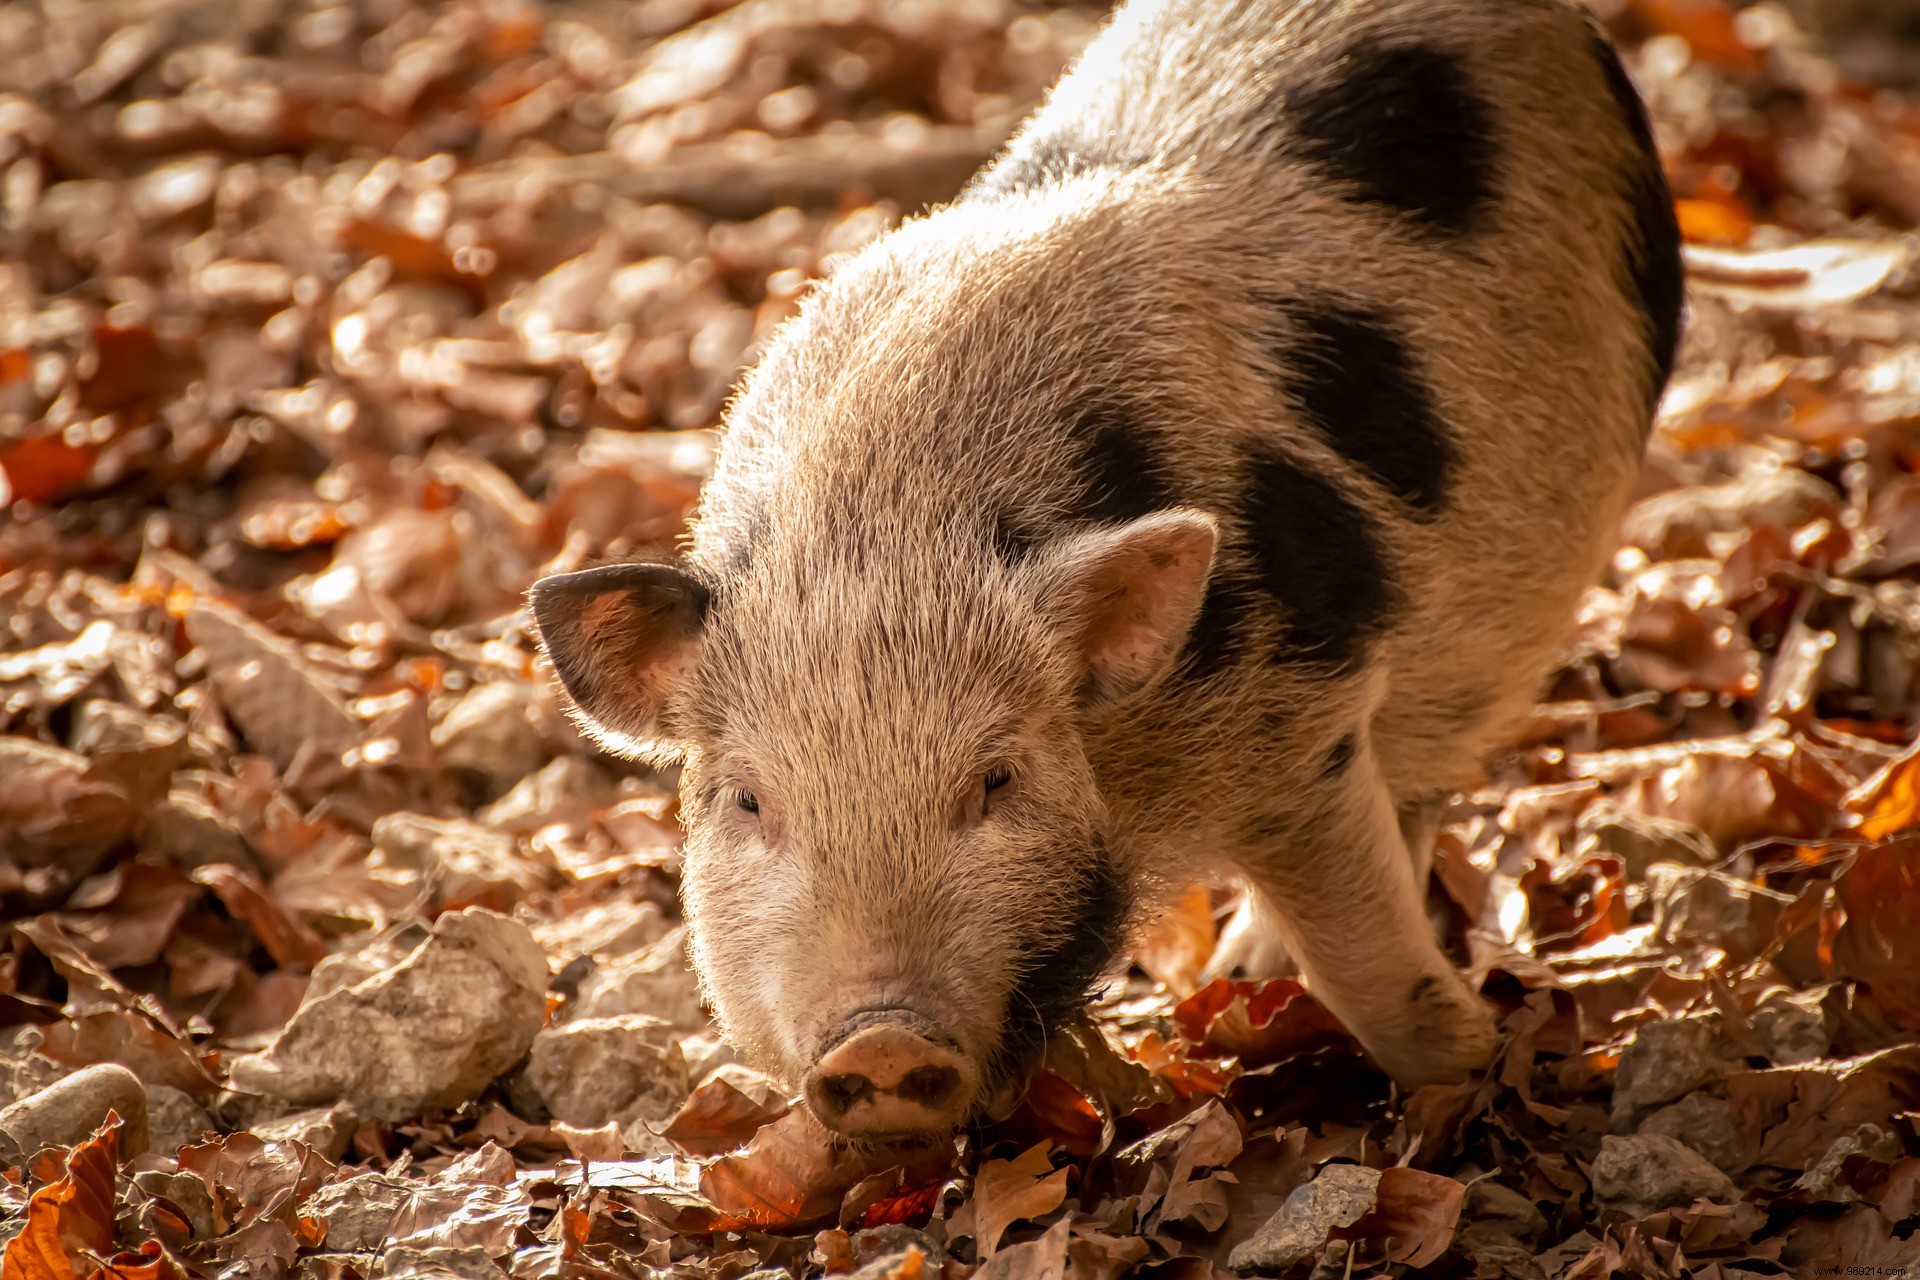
column 900, row 872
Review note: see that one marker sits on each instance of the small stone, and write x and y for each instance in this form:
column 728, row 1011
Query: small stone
column 1704, row 1123
column 1793, row 1026
column 593, row 1070
column 429, row 1032
column 894, row 1238
column 1507, row 1261
column 1339, row 1197
column 1666, row 1060
column 1646, row 1173
column 1822, row 1182
column 68, row 1111
column 174, row 1120
column 656, row 981
column 358, row 1210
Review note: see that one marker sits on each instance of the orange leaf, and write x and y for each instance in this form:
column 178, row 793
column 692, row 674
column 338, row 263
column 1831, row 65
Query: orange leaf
column 717, row 1118
column 1416, row 1211
column 1175, row 946
column 45, row 468
column 1008, row 1191
column 149, row 1263
column 1258, row 1022
column 1706, row 25
column 1712, row 222
column 1889, row 801
column 70, row 1222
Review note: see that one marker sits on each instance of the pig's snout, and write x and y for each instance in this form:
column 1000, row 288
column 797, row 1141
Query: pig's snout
column 891, row 1074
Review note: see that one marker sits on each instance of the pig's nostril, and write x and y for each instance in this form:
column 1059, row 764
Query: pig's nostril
column 929, row 1086
column 837, row 1095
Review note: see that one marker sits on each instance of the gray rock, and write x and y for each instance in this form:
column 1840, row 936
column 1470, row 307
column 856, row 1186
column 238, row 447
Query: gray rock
column 1340, row 1196
column 593, row 1070
column 892, row 1239
column 656, row 981
column 24, row 1071
column 1704, row 1123
column 429, row 1032
column 1793, row 1026
column 1648, row 1172
column 174, row 1120
column 1506, row 1261
column 461, row 860
column 1666, row 1060
column 68, row 1111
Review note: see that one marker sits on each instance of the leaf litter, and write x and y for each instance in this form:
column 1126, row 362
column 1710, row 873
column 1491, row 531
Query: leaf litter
column 336, row 951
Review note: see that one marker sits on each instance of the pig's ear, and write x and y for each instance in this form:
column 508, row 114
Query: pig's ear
column 621, row 639
column 1130, row 594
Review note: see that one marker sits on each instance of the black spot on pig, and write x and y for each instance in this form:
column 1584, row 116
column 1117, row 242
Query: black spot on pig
column 1402, row 124
column 1121, row 471
column 1359, row 386
column 1013, row 539
column 1316, row 556
column 1217, row 636
column 1654, row 275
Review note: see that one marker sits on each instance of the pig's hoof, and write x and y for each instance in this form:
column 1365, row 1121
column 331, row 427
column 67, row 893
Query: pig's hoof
column 1451, row 1035
column 1250, row 946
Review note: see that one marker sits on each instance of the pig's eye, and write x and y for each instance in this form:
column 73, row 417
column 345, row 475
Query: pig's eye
column 748, row 802
column 991, row 785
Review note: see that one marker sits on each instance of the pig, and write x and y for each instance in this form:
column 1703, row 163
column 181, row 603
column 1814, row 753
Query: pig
column 1203, row 492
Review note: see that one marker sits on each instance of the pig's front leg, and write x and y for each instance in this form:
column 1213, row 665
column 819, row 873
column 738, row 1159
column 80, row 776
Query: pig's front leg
column 1251, row 945
column 1338, row 880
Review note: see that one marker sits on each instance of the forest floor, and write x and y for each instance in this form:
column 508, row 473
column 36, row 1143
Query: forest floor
column 325, row 328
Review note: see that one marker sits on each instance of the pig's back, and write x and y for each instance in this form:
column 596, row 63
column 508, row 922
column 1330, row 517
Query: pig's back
column 1446, row 227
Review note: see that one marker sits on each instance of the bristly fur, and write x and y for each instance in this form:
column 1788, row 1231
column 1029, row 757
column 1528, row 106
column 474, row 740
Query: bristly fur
column 1171, row 292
